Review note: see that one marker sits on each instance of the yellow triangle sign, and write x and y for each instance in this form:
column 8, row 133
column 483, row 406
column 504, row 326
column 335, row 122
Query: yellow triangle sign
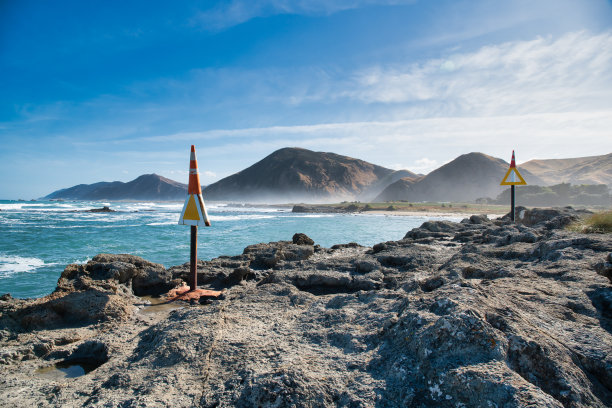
column 191, row 212
column 513, row 178
column 194, row 212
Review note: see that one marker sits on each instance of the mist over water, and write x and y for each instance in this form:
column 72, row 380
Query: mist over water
column 38, row 239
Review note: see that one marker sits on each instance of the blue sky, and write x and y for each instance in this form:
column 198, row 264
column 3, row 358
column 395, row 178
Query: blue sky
column 107, row 90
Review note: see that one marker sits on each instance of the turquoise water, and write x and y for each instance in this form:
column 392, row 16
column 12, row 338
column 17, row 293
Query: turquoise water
column 38, row 239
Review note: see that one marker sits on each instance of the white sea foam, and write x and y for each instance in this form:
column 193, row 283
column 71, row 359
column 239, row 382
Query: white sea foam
column 11, row 264
column 225, row 209
column 17, row 206
column 313, row 215
column 221, row 218
column 38, row 207
column 149, row 206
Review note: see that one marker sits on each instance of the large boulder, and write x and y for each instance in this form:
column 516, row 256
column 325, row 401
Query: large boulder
column 101, row 290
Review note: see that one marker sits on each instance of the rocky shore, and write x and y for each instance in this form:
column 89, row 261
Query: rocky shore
column 481, row 313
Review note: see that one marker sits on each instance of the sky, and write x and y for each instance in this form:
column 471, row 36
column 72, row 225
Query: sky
column 107, row 90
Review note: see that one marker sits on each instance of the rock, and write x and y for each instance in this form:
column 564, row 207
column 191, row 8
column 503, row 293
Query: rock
column 300, row 209
column 550, row 218
column 100, row 291
column 479, row 219
column 349, row 245
column 302, row 239
column 103, row 209
column 476, row 313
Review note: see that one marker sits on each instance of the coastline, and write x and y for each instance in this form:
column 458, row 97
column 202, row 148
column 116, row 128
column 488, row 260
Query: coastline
column 300, row 325
column 403, row 209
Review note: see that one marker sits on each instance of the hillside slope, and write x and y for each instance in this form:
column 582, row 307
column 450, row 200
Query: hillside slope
column 581, row 170
column 468, row 177
column 295, row 174
column 145, row 187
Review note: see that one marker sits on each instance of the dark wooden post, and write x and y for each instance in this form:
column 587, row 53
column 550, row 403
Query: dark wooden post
column 512, row 203
column 193, row 267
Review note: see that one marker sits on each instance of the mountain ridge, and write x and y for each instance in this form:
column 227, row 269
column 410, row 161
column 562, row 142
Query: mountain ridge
column 291, row 174
column 579, row 170
column 144, row 187
column 301, row 175
column 466, row 178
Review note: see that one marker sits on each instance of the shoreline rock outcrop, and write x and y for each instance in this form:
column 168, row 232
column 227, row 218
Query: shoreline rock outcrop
column 478, row 313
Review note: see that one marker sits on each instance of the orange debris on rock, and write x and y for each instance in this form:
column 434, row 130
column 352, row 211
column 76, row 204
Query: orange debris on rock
column 183, row 293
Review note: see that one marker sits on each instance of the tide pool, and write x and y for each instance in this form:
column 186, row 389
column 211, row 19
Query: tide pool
column 38, row 239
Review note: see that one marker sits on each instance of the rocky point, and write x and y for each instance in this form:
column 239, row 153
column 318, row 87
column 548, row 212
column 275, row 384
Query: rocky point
column 481, row 313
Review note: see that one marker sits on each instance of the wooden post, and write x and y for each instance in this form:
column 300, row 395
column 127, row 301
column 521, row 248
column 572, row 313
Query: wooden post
column 193, row 267
column 512, row 215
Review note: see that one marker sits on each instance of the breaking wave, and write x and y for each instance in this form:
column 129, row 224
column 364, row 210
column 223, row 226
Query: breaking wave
column 11, row 264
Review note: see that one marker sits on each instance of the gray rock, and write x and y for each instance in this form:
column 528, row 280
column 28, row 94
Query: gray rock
column 476, row 313
column 302, row 239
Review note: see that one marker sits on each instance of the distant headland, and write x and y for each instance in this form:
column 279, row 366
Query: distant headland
column 301, row 175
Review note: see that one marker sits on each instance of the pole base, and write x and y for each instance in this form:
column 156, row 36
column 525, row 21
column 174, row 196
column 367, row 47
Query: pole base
column 185, row 293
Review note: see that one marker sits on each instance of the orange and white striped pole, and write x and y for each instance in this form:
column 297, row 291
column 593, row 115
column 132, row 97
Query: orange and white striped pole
column 512, row 196
column 194, row 174
column 194, row 214
column 194, row 189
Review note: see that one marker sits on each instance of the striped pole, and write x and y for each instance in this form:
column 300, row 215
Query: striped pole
column 194, row 188
column 194, row 175
column 512, row 210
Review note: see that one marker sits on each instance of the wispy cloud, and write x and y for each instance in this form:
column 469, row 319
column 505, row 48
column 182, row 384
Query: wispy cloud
column 573, row 72
column 543, row 135
column 236, row 12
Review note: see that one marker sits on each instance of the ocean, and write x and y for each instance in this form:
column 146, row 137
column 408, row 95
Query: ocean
column 39, row 238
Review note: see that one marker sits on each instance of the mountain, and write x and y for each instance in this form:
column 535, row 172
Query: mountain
column 145, row 187
column 376, row 188
column 295, row 174
column 581, row 170
column 468, row 177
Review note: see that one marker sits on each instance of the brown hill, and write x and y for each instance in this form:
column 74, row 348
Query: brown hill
column 376, row 188
column 295, row 174
column 468, row 177
column 145, row 187
column 581, row 170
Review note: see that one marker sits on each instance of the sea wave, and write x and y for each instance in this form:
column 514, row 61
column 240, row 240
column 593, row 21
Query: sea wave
column 37, row 206
column 237, row 209
column 313, row 215
column 11, row 264
column 222, row 218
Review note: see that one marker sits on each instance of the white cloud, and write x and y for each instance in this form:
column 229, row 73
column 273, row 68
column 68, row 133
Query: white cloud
column 236, row 12
column 542, row 135
column 572, row 72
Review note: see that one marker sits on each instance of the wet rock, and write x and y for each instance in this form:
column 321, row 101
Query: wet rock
column 104, row 209
column 349, row 245
column 302, row 239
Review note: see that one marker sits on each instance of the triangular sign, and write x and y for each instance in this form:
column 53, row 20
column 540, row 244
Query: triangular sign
column 194, row 212
column 513, row 178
